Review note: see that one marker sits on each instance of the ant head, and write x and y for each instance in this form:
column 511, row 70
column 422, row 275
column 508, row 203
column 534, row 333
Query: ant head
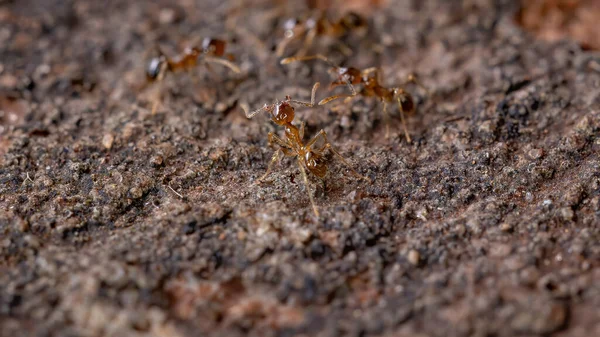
column 193, row 51
column 213, row 47
column 283, row 113
column 155, row 67
column 353, row 21
column 291, row 27
column 290, row 24
column 315, row 164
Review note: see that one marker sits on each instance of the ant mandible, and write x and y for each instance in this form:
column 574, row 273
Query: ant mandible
column 320, row 25
column 212, row 50
column 371, row 87
column 292, row 145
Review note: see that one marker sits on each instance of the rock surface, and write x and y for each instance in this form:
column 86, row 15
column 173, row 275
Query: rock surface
column 117, row 222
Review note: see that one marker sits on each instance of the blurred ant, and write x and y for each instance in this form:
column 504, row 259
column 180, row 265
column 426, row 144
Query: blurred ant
column 282, row 113
column 371, row 88
column 212, row 50
column 320, row 25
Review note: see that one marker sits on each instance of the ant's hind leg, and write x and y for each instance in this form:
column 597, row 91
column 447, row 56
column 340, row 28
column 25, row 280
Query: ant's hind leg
column 156, row 100
column 327, row 145
column 403, row 121
column 305, row 178
column 386, row 120
column 283, row 147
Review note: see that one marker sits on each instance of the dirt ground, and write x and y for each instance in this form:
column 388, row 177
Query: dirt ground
column 117, row 222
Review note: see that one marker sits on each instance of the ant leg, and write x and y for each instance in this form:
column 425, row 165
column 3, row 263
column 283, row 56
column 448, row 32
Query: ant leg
column 301, row 130
column 308, row 41
column 270, row 167
column 403, row 120
column 289, row 37
column 223, row 62
column 305, row 178
column 300, row 58
column 386, row 118
column 283, row 147
column 412, row 78
column 159, row 87
column 156, row 100
column 274, row 139
column 341, row 81
column 347, row 51
column 375, row 70
column 328, row 145
column 312, row 97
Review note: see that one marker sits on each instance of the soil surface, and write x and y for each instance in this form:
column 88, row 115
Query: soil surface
column 117, row 222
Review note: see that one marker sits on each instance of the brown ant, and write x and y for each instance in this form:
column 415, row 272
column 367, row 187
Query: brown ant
column 282, row 113
column 371, row 87
column 319, row 25
column 212, row 50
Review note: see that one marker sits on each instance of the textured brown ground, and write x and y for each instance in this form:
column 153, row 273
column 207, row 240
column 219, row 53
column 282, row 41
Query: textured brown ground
column 114, row 222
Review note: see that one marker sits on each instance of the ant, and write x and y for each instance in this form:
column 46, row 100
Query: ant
column 282, row 113
column 212, row 50
column 371, row 88
column 320, row 25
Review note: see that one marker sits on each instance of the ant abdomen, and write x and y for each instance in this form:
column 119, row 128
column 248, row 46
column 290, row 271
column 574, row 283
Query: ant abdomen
column 315, row 164
column 353, row 21
column 407, row 103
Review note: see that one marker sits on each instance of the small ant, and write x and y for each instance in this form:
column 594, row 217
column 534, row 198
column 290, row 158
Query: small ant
column 282, row 113
column 371, row 88
column 320, row 25
column 212, row 50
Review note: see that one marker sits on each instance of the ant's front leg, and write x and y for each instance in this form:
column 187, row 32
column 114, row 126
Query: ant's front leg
column 270, row 167
column 158, row 90
column 341, row 81
column 308, row 41
column 274, row 139
column 375, row 70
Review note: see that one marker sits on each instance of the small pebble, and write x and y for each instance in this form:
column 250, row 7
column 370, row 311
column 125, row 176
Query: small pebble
column 107, row 141
column 414, row 257
column 156, row 160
